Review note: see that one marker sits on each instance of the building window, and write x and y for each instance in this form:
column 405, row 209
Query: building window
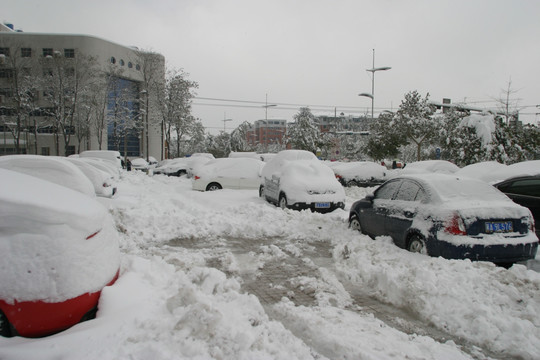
column 46, row 151
column 4, row 51
column 138, row 67
column 6, row 73
column 47, row 52
column 113, row 60
column 70, row 150
column 122, row 62
column 130, row 64
column 26, row 52
column 69, row 53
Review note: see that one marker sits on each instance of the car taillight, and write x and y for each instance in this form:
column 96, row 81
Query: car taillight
column 91, row 236
column 455, row 226
column 338, row 176
column 197, row 177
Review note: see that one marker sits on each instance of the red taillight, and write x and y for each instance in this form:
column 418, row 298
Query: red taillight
column 197, row 177
column 455, row 226
column 91, row 236
column 338, row 176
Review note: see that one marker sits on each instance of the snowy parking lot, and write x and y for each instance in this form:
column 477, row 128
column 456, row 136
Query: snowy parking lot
column 226, row 275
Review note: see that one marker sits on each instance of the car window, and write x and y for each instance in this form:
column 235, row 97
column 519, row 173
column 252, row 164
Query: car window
column 530, row 187
column 387, row 190
column 408, row 191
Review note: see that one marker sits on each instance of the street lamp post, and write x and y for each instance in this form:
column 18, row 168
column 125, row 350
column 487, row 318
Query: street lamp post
column 372, row 95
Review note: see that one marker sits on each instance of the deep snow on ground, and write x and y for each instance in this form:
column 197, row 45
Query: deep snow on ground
column 169, row 303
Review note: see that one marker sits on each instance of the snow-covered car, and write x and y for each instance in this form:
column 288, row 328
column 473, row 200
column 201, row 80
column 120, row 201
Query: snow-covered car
column 112, row 156
column 172, row 167
column 296, row 179
column 139, row 164
column 228, row 173
column 60, row 249
column 359, row 173
column 427, row 166
column 447, row 216
column 488, row 171
column 197, row 160
column 53, row 169
column 102, row 181
column 103, row 165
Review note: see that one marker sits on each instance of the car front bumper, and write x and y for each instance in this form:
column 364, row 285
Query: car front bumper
column 40, row 318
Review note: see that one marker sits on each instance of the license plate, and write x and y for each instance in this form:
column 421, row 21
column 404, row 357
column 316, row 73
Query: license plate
column 499, row 226
column 322, row 205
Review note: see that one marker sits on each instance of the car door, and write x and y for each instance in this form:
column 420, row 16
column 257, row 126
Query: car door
column 271, row 187
column 525, row 192
column 403, row 210
column 372, row 219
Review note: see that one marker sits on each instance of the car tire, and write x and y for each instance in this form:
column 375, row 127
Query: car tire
column 282, row 201
column 5, row 328
column 213, row 187
column 352, row 183
column 417, row 244
column 354, row 223
column 261, row 191
column 180, row 173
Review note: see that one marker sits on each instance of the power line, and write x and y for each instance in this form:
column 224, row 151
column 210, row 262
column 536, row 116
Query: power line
column 261, row 103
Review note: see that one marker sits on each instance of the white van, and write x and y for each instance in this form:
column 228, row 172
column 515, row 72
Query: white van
column 111, row 155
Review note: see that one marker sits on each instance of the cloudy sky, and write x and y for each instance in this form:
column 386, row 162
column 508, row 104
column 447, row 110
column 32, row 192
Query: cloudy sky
column 315, row 52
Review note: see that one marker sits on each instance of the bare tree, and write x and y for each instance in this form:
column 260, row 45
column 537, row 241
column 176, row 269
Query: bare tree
column 152, row 68
column 18, row 93
column 64, row 79
column 507, row 105
column 175, row 107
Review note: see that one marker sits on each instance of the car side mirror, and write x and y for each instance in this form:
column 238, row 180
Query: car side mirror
column 370, row 197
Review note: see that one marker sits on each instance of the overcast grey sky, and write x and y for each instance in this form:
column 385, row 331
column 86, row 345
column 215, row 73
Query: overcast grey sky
column 315, row 52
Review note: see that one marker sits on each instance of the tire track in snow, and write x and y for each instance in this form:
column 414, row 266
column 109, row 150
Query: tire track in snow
column 271, row 282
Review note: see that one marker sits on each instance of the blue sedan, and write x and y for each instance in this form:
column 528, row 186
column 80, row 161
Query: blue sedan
column 448, row 216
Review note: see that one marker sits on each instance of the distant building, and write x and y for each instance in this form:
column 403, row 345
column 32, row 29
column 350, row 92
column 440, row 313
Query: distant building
column 36, row 54
column 267, row 132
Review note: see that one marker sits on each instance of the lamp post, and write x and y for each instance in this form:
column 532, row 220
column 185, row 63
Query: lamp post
column 372, row 71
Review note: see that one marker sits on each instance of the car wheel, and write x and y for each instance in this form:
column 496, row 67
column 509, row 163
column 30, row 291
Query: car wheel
column 282, row 201
column 354, row 223
column 417, row 245
column 5, row 329
column 180, row 173
column 352, row 183
column 261, row 191
column 213, row 187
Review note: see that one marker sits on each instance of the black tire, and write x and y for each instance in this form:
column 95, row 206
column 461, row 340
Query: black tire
column 417, row 244
column 261, row 191
column 213, row 187
column 180, row 173
column 5, row 327
column 354, row 223
column 282, row 203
